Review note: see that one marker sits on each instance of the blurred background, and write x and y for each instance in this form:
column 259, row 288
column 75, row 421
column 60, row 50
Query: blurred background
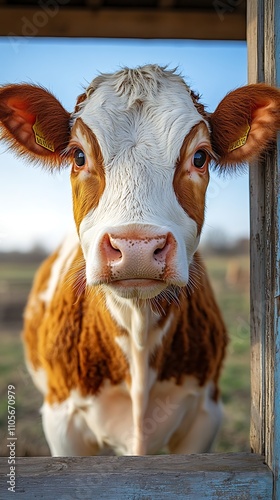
column 36, row 211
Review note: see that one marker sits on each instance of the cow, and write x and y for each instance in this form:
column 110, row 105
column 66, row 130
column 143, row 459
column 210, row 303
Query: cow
column 122, row 332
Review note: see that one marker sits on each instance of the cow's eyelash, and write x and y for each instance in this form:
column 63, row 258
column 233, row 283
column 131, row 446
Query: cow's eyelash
column 71, row 149
column 210, row 153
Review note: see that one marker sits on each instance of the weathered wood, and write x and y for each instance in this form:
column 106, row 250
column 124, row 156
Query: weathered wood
column 265, row 217
column 124, row 23
column 272, row 216
column 255, row 40
column 193, row 477
column 166, row 4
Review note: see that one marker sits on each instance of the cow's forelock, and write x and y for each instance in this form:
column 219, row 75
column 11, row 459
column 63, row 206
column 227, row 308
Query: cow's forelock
column 159, row 113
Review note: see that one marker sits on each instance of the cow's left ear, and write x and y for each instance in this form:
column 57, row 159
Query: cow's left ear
column 34, row 122
column 244, row 124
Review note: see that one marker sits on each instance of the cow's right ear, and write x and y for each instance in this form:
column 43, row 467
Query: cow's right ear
column 34, row 122
column 245, row 124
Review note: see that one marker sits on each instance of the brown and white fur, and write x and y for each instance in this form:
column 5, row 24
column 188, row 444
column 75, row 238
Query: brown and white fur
column 122, row 332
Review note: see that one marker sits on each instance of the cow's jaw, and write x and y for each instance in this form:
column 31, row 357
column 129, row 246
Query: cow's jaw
column 142, row 289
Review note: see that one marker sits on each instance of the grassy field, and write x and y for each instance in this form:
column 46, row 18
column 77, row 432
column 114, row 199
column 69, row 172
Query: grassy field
column 230, row 279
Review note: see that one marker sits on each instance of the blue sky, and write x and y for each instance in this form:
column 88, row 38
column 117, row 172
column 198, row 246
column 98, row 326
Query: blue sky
column 35, row 207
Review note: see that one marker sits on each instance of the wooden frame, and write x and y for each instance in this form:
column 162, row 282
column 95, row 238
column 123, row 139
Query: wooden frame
column 122, row 23
column 213, row 476
column 264, row 65
column 164, row 477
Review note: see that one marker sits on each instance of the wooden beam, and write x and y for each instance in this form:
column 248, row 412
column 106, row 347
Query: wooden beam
column 161, row 477
column 94, row 4
column 56, row 21
column 166, row 4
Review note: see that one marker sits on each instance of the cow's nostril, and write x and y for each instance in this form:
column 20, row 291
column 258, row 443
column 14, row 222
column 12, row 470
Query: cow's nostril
column 111, row 250
column 116, row 252
column 161, row 248
column 157, row 251
column 115, row 248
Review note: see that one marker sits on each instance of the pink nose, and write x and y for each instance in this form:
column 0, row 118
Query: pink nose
column 137, row 258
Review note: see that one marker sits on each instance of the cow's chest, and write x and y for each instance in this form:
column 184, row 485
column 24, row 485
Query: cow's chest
column 110, row 416
column 108, row 419
column 130, row 410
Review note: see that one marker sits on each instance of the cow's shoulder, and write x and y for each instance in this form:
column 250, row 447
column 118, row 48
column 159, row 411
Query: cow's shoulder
column 47, row 286
column 69, row 333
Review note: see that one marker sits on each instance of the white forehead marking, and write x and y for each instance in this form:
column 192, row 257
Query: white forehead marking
column 148, row 110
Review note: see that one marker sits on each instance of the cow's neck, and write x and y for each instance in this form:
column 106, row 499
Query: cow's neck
column 143, row 333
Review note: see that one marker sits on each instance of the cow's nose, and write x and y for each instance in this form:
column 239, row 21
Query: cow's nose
column 137, row 257
column 123, row 248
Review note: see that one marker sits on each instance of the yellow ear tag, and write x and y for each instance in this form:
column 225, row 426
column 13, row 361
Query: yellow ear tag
column 241, row 141
column 39, row 137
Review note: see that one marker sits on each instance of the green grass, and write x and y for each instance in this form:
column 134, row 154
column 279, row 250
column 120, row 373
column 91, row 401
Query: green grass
column 18, row 272
column 30, row 439
column 232, row 293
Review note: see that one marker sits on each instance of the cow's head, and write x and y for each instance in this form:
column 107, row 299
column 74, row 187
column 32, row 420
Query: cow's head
column 140, row 145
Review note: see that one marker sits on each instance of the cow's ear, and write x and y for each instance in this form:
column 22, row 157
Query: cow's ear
column 244, row 124
column 34, row 122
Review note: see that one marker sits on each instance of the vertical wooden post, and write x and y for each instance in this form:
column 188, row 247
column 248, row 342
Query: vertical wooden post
column 264, row 65
column 255, row 40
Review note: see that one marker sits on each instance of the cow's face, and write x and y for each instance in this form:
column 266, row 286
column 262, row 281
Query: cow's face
column 140, row 152
column 139, row 146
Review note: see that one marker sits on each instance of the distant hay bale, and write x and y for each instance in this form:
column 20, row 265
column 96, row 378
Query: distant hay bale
column 237, row 274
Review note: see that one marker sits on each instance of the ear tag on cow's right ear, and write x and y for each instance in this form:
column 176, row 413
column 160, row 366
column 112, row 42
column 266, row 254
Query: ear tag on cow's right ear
column 241, row 141
column 40, row 139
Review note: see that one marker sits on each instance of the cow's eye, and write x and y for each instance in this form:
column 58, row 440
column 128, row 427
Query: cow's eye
column 199, row 158
column 80, row 158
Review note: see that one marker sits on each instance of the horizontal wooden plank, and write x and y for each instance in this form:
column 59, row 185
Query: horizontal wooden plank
column 191, row 477
column 121, row 23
